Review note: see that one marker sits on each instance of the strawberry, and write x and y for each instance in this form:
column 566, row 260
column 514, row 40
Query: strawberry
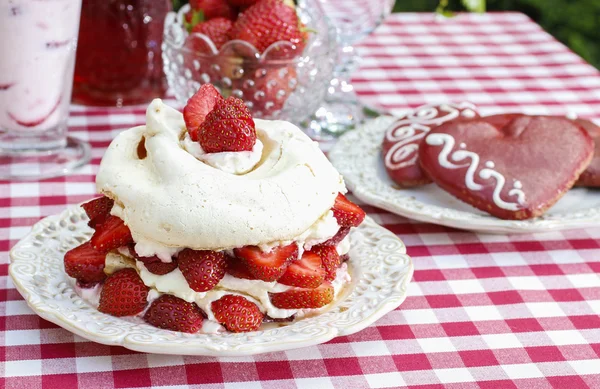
column 267, row 22
column 276, row 86
column 156, row 266
column 211, row 9
column 172, row 313
column 123, row 294
column 198, row 106
column 298, row 298
column 347, row 213
column 238, row 269
column 85, row 264
column 329, row 258
column 228, row 127
column 337, row 238
column 241, row 3
column 216, row 29
column 98, row 210
column 307, row 272
column 111, row 234
column 202, row 269
column 236, row 313
column 267, row 266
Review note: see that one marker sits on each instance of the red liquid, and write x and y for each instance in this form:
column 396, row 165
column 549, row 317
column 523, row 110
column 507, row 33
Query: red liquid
column 118, row 54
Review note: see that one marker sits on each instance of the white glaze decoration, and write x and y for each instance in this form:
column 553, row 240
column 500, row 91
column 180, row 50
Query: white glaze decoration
column 414, row 126
column 447, row 142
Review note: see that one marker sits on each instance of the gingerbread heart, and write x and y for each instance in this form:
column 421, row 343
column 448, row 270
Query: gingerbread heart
column 402, row 138
column 511, row 166
column 591, row 175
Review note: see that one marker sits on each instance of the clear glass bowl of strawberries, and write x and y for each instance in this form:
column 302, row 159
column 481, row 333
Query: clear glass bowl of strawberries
column 275, row 55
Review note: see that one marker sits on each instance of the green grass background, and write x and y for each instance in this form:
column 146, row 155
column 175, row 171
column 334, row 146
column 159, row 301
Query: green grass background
column 576, row 23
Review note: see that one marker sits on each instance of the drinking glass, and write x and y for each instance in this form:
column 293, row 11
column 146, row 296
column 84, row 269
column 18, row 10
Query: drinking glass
column 353, row 20
column 119, row 55
column 37, row 57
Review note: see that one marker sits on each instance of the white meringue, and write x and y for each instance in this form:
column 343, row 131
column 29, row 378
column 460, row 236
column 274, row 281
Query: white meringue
column 172, row 199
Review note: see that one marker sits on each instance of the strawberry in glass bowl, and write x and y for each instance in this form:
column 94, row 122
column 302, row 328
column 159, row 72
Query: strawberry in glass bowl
column 276, row 56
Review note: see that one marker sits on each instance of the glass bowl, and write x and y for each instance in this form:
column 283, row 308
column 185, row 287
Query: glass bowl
column 279, row 84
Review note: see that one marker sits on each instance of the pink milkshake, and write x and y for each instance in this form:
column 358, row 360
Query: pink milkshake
column 37, row 48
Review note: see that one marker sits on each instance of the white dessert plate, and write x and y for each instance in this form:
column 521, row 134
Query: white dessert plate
column 357, row 156
column 378, row 264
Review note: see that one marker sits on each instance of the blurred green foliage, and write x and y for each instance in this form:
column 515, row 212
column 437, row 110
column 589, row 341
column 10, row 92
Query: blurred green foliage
column 576, row 23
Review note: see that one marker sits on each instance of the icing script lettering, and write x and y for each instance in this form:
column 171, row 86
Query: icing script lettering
column 446, row 159
column 409, row 130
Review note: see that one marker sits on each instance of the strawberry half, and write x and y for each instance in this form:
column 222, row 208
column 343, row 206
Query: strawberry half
column 85, row 264
column 202, row 269
column 123, row 294
column 299, row 298
column 307, row 272
column 198, row 106
column 156, row 266
column 337, row 238
column 98, row 210
column 228, row 127
column 237, row 269
column 267, row 22
column 237, row 314
column 172, row 313
column 216, row 29
column 329, row 258
column 267, row 266
column 111, row 234
column 347, row 213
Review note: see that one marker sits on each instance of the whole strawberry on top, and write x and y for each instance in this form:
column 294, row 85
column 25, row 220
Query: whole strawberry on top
column 219, row 125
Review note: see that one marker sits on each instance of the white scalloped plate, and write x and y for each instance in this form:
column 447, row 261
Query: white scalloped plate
column 357, row 156
column 378, row 263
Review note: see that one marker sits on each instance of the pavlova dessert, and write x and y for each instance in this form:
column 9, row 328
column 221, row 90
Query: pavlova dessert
column 214, row 221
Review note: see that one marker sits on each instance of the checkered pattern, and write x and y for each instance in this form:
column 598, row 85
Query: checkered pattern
column 483, row 311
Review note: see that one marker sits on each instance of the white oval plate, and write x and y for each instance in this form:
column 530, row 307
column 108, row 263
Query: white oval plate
column 357, row 156
column 378, row 264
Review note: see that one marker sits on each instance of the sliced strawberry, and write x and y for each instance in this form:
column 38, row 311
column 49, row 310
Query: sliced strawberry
column 330, row 259
column 156, row 266
column 111, row 234
column 172, row 313
column 228, row 127
column 299, row 298
column 238, row 269
column 123, row 294
column 203, row 269
column 267, row 266
column 198, row 106
column 98, row 210
column 337, row 238
column 237, row 314
column 307, row 272
column 85, row 264
column 216, row 29
column 347, row 213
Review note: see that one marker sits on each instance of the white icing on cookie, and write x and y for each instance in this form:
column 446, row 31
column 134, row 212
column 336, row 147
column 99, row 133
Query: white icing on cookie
column 408, row 130
column 447, row 142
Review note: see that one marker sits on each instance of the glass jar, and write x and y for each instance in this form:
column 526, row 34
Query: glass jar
column 119, row 52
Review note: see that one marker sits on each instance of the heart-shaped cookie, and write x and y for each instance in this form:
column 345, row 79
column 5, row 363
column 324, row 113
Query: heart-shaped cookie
column 591, row 175
column 511, row 166
column 401, row 141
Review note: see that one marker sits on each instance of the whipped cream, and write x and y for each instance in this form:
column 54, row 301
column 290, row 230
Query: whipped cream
column 234, row 162
column 172, row 199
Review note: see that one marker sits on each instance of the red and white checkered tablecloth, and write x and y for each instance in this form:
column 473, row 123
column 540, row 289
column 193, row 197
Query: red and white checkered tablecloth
column 483, row 311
